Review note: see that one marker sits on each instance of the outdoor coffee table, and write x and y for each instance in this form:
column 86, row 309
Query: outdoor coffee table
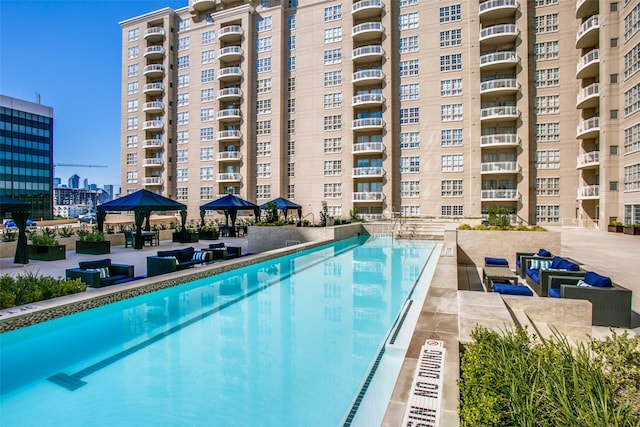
column 501, row 274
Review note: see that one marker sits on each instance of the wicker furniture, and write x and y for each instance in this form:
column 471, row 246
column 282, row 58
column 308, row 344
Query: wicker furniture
column 99, row 273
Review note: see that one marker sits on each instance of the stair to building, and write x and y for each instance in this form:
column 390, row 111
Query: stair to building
column 420, row 231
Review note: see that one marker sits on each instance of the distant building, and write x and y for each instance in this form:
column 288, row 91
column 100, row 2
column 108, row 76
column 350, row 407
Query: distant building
column 107, row 193
column 74, row 181
column 69, row 211
column 65, row 196
column 57, row 182
column 26, row 167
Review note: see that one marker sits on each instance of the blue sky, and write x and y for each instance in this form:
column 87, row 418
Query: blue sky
column 69, row 52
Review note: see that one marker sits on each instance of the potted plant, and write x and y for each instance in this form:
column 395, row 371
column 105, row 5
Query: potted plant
column 633, row 229
column 192, row 235
column 92, row 243
column 208, row 232
column 615, row 227
column 45, row 247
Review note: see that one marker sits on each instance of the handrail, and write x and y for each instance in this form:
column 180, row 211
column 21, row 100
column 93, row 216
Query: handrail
column 312, row 217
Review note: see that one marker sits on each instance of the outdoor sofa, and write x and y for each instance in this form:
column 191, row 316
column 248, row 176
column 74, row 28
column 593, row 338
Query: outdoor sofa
column 99, row 273
column 538, row 271
column 175, row 260
column 219, row 251
column 521, row 258
column 611, row 303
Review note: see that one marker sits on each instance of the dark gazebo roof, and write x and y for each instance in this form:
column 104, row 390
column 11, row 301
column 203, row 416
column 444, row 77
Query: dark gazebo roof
column 142, row 200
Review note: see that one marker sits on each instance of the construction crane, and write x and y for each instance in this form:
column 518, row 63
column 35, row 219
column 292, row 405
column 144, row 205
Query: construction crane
column 79, row 166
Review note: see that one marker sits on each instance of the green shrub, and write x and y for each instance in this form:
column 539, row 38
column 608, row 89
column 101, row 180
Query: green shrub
column 43, row 240
column 480, row 227
column 9, row 236
column 91, row 236
column 464, row 226
column 29, row 287
column 498, row 217
column 66, row 231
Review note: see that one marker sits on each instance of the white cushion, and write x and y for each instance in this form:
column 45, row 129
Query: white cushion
column 539, row 264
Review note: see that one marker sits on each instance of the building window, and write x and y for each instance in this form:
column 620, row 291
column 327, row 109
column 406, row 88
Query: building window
column 408, row 21
column 132, row 141
column 333, row 35
column 291, row 42
column 546, row 51
column 451, row 188
column 451, row 137
column 208, row 37
column 409, row 140
column 182, row 175
column 182, row 99
column 451, row 62
column 132, row 123
column 409, row 115
column 206, row 115
column 332, row 56
column 263, row 24
column 183, row 81
column 132, row 159
column 132, row 88
column 409, row 91
column 291, row 63
column 405, row 3
column 451, row 163
column 133, row 52
column 183, row 43
column 291, row 148
column 263, row 149
column 547, row 132
column 408, row 44
column 332, row 167
column 207, row 95
column 291, row 127
column 263, row 191
column 548, row 77
column 631, row 22
column 291, row 191
column 632, row 100
column 542, row 3
column 182, row 193
column 133, row 35
column 613, row 185
column 548, row 186
column 613, row 150
column 546, row 23
column 409, row 68
column 450, row 87
column 332, row 100
column 613, row 114
column 182, row 136
column 332, row 78
column 332, row 145
column 613, row 78
column 263, row 44
column 452, row 210
column 291, row 19
column 450, row 13
column 410, row 164
column 332, row 191
column 291, row 169
column 207, row 76
column 263, row 85
column 450, row 38
column 206, row 154
column 332, row 123
column 548, row 213
column 450, row 112
column 291, row 84
column 132, row 106
column 206, row 134
column 263, row 127
column 263, row 170
column 410, row 189
column 547, row 104
column 132, row 70
column 263, row 65
column 183, row 118
column 182, row 156
column 184, row 24
column 332, row 13
column 410, row 211
column 208, row 56
column 632, row 177
column 132, row 177
column 632, row 139
column 548, row 159
column 206, row 193
column 632, row 61
column 183, row 62
column 263, row 106
column 291, row 105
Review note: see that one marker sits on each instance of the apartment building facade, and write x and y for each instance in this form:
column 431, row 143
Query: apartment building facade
column 431, row 109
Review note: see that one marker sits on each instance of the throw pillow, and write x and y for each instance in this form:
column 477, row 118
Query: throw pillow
column 539, row 264
column 583, row 283
column 597, row 280
column 198, row 256
column 544, row 253
column 104, row 271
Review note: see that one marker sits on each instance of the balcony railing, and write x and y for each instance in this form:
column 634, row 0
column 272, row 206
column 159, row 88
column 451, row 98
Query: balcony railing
column 152, row 162
column 591, row 158
column 508, row 111
column 230, row 51
column 368, row 171
column 491, row 5
column 505, row 194
column 230, row 92
column 153, row 87
column 153, row 106
column 153, row 69
column 153, row 51
column 229, row 113
column 499, row 30
column 588, row 126
column 229, row 155
column 504, row 139
column 364, row 51
column 229, row 134
column 499, row 84
column 498, row 57
column 152, row 143
column 154, row 33
column 153, row 180
column 367, row 27
column 229, row 31
column 499, row 167
column 591, row 91
column 201, row 5
column 230, row 72
column 368, row 147
column 368, row 98
column 365, row 75
column 366, row 4
column 588, row 192
column 229, row 176
column 371, row 122
column 588, row 25
column 367, row 196
column 152, row 124
column 592, row 57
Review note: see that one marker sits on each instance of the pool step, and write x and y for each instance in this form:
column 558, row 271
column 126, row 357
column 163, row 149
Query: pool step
column 420, row 231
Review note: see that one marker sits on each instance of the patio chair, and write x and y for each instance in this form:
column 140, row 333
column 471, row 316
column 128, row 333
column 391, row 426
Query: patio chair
column 99, row 273
column 128, row 238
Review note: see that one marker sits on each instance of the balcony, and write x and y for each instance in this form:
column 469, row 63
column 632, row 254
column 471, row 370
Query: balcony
column 152, row 163
column 230, row 33
column 153, row 88
column 229, row 73
column 589, row 65
column 153, row 144
column 370, row 172
column 154, row 52
column 489, row 195
column 228, row 135
column 588, row 33
column 367, row 77
column 366, row 9
column 368, row 123
column 588, row 129
column 367, row 147
column 152, row 180
column 153, row 107
column 229, row 177
column 228, row 156
column 497, row 9
column 154, row 34
column 367, row 196
column 229, row 114
column 499, row 86
column 499, row 167
column 588, row 97
column 505, row 112
column 588, row 160
column 367, row 31
column 230, row 53
column 588, row 192
column 585, row 8
column 154, row 70
column 367, row 53
column 495, row 60
column 500, row 140
column 367, row 99
column 229, row 93
column 202, row 5
column 152, row 125
column 502, row 33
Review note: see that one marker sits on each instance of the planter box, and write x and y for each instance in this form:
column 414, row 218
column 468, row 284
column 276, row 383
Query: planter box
column 209, row 235
column 615, row 228
column 632, row 230
column 93, row 248
column 191, row 237
column 46, row 253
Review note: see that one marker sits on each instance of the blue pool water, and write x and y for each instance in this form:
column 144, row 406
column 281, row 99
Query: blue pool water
column 288, row 342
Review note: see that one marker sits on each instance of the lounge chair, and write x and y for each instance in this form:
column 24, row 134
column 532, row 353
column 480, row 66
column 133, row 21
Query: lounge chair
column 175, row 260
column 522, row 256
column 538, row 270
column 99, row 273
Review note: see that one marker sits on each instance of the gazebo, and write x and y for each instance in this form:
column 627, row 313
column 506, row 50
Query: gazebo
column 284, row 205
column 142, row 203
column 230, row 205
column 19, row 213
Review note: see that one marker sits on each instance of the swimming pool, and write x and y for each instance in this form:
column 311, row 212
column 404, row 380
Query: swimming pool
column 285, row 342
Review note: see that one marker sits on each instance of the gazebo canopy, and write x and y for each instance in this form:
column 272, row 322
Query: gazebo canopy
column 230, row 205
column 142, row 203
column 19, row 211
column 284, row 205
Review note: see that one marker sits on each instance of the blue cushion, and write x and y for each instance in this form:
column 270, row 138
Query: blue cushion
column 543, row 253
column 495, row 261
column 518, row 262
column 100, row 263
column 560, row 263
column 595, row 279
column 534, row 274
column 554, row 292
column 508, row 289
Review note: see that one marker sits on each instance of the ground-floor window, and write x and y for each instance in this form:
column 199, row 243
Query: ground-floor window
column 631, row 214
column 452, row 210
column 548, row 213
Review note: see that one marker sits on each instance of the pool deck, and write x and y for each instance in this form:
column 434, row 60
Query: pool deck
column 447, row 314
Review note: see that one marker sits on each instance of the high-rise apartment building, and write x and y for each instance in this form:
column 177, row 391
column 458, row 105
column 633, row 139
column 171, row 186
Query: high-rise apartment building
column 26, row 152
column 439, row 109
